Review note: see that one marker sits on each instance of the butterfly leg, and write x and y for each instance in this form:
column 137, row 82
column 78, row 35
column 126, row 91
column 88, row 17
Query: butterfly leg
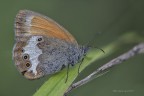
column 67, row 73
column 81, row 61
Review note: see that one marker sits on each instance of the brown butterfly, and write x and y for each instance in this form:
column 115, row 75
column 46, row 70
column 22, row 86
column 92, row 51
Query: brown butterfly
column 43, row 46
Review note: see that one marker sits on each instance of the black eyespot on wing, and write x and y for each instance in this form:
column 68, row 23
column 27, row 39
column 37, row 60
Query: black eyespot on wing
column 40, row 39
column 28, row 64
column 22, row 50
column 25, row 56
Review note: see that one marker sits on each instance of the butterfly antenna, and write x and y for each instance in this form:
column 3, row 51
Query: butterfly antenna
column 92, row 41
column 100, row 49
column 88, row 44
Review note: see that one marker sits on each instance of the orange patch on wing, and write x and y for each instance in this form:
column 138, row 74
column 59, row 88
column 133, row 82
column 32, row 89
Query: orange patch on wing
column 37, row 24
column 41, row 26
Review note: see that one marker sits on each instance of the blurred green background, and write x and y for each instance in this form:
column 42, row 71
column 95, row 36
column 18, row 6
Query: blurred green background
column 84, row 19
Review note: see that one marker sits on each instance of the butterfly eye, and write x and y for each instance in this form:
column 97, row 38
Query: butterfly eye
column 28, row 64
column 39, row 39
column 25, row 56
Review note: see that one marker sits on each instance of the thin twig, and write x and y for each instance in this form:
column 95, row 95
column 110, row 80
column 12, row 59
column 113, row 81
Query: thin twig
column 138, row 49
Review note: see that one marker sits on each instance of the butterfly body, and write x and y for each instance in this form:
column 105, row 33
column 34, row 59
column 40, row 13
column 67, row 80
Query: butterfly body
column 43, row 46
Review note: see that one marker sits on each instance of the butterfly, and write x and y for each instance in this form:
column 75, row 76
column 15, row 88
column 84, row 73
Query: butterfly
column 42, row 46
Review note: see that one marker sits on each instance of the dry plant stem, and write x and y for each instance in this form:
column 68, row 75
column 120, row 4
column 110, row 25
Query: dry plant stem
column 138, row 49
